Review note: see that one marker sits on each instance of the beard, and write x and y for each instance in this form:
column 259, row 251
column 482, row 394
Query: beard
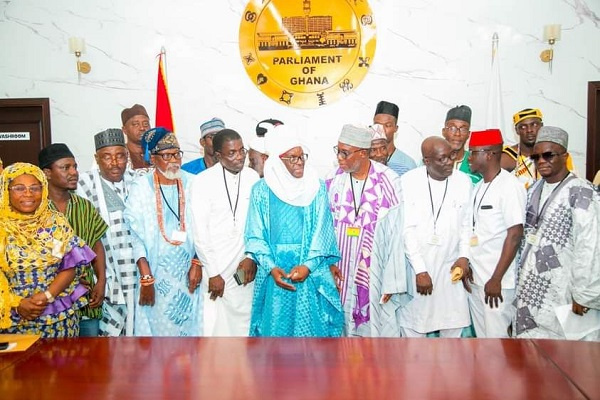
column 173, row 171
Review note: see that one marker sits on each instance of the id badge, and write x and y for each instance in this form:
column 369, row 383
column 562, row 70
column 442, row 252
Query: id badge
column 353, row 231
column 235, row 233
column 532, row 239
column 474, row 241
column 434, row 240
column 179, row 236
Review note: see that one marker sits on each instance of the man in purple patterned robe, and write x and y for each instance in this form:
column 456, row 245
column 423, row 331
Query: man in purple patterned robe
column 365, row 198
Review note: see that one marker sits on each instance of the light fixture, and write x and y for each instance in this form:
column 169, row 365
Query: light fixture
column 551, row 35
column 77, row 47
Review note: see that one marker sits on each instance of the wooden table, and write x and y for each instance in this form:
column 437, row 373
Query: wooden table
column 579, row 361
column 286, row 368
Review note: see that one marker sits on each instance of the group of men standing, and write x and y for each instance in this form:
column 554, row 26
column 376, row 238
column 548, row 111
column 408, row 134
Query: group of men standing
column 381, row 248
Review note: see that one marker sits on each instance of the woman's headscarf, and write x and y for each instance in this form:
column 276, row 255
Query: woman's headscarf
column 295, row 191
column 35, row 240
column 8, row 175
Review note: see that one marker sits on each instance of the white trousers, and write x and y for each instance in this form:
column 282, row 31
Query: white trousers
column 228, row 315
column 491, row 322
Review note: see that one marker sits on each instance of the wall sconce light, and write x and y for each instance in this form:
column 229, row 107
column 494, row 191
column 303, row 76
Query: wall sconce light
column 77, row 47
column 551, row 35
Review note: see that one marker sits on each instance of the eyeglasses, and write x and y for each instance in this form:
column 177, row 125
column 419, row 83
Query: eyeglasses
column 343, row 154
column 170, row 156
column 233, row 153
column 453, row 129
column 21, row 189
column 295, row 159
column 547, row 155
column 119, row 158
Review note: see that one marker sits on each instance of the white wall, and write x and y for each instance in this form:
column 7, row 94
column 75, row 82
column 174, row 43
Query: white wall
column 431, row 55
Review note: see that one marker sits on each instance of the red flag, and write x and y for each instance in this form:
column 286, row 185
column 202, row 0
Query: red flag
column 164, row 117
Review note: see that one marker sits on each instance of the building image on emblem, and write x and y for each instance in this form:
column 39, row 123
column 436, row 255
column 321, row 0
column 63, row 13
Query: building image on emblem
column 307, row 32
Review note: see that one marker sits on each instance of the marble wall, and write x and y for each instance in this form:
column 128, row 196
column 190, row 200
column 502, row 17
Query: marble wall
column 431, row 55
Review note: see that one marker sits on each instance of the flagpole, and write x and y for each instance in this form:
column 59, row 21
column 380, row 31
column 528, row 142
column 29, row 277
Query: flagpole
column 495, row 110
column 164, row 116
column 494, row 46
column 163, row 54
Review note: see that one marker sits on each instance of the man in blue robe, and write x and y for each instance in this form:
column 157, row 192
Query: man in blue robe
column 289, row 232
column 157, row 213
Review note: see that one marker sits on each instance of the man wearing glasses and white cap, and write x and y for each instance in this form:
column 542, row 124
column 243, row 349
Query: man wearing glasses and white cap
column 366, row 202
column 558, row 286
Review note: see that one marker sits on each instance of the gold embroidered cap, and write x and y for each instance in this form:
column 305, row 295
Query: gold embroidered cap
column 527, row 113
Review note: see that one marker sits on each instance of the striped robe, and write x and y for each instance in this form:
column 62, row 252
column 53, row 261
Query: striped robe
column 121, row 269
column 89, row 226
column 373, row 262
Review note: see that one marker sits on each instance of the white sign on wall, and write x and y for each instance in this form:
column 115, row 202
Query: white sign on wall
column 14, row 135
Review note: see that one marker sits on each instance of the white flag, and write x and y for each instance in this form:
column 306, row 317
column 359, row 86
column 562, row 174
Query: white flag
column 495, row 110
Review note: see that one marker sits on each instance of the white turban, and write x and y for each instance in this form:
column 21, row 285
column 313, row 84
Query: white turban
column 295, row 191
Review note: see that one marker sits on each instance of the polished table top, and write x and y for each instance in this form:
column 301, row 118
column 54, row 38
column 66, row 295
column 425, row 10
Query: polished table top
column 288, row 368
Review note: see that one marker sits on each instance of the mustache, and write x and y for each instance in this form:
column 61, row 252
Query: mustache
column 171, row 173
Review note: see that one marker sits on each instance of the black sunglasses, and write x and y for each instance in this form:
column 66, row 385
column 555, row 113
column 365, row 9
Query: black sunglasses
column 547, row 155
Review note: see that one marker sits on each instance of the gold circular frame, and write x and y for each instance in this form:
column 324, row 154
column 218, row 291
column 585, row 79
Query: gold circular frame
column 307, row 53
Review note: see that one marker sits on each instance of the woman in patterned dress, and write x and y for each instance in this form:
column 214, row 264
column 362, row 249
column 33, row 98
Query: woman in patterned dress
column 38, row 253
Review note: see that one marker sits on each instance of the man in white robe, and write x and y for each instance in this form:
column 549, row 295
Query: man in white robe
column 220, row 198
column 436, row 236
column 498, row 207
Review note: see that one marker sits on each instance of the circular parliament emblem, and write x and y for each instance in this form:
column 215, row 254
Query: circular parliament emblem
column 307, row 53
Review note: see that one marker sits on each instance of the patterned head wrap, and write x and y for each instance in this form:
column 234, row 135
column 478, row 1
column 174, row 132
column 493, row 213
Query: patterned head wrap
column 377, row 132
column 109, row 137
column 526, row 113
column 44, row 235
column 215, row 125
column 11, row 172
column 158, row 139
